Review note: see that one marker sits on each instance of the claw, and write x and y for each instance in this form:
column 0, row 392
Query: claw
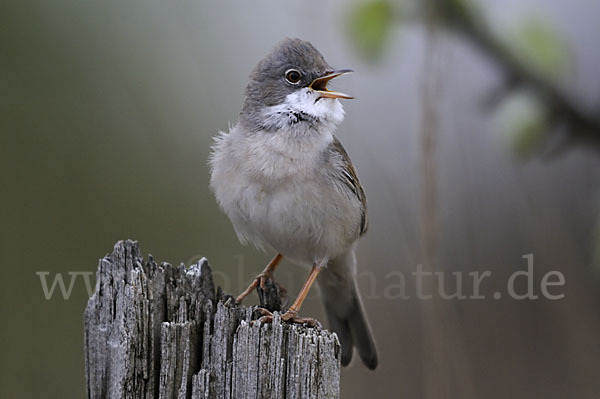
column 266, row 319
column 263, row 311
column 267, row 316
column 290, row 316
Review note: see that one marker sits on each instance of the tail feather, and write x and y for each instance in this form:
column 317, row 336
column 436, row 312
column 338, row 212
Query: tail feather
column 342, row 328
column 345, row 312
column 363, row 338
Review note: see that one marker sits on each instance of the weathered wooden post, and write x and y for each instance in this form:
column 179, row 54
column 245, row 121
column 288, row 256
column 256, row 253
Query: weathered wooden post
column 161, row 331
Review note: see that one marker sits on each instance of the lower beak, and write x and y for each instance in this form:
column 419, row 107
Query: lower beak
column 320, row 84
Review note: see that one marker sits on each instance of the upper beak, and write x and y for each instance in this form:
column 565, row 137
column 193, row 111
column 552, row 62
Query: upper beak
column 320, row 84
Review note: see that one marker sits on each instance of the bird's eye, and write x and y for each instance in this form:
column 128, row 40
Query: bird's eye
column 293, row 76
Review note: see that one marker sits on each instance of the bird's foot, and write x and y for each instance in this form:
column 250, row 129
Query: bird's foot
column 260, row 281
column 289, row 316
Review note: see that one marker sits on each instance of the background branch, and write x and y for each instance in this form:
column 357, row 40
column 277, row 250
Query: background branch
column 464, row 18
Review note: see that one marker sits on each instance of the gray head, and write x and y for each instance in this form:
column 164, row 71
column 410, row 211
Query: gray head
column 286, row 88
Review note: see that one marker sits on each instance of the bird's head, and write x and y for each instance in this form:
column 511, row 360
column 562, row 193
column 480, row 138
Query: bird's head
column 289, row 86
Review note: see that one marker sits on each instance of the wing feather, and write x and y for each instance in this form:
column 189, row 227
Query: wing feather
column 349, row 177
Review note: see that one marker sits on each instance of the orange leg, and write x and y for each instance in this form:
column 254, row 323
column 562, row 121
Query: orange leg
column 292, row 312
column 260, row 279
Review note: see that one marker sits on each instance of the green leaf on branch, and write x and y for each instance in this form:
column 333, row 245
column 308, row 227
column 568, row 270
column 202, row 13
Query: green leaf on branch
column 370, row 25
column 524, row 120
column 537, row 43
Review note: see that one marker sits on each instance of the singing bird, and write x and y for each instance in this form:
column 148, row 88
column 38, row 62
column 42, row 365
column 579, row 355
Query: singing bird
column 288, row 186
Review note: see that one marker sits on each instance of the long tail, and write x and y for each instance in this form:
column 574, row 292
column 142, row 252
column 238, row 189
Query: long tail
column 344, row 310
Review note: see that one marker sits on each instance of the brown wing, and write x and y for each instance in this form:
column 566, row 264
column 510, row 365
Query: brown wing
column 350, row 179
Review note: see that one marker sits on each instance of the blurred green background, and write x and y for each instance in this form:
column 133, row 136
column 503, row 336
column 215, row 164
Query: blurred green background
column 107, row 109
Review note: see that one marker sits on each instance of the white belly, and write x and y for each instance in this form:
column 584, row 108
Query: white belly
column 293, row 219
column 287, row 204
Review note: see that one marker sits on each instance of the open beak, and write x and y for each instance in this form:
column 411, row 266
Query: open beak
column 320, row 84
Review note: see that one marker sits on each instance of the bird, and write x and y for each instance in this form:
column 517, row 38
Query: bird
column 288, row 186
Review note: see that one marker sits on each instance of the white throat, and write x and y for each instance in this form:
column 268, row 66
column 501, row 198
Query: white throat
column 304, row 111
